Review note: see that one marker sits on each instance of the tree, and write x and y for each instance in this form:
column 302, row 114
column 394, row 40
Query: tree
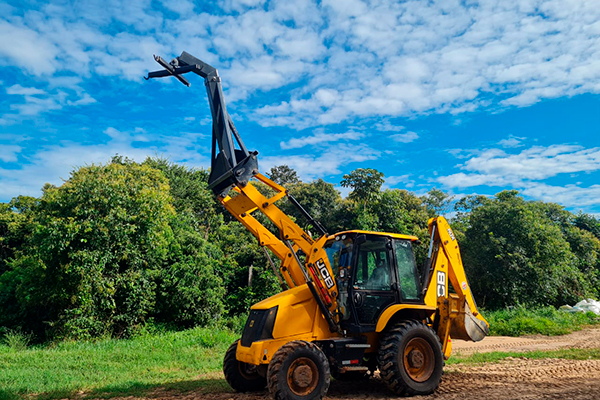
column 437, row 202
column 320, row 199
column 515, row 253
column 283, row 175
column 106, row 245
column 190, row 193
column 365, row 184
column 242, row 253
column 589, row 223
column 391, row 212
column 15, row 227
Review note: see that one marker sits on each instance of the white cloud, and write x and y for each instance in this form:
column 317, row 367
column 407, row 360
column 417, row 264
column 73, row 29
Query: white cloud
column 394, row 180
column 537, row 162
column 181, row 7
column 54, row 163
column 528, row 170
column 23, row 91
column 462, row 180
column 386, row 126
column 327, row 163
column 8, row 153
column 405, row 137
column 573, row 195
column 512, row 141
column 495, row 167
column 319, row 138
column 34, row 101
column 353, row 59
column 27, row 48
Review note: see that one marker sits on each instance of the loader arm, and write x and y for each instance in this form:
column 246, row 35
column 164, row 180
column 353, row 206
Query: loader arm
column 230, row 174
column 457, row 315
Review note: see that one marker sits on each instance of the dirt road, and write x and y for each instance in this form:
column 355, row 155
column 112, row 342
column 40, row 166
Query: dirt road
column 514, row 378
column 584, row 339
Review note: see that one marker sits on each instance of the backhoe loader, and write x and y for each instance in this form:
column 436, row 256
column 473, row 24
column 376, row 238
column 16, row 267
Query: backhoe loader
column 355, row 301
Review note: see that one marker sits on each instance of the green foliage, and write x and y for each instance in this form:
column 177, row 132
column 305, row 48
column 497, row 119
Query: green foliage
column 121, row 248
column 189, row 191
column 244, row 253
column 588, row 223
column 518, row 321
column 283, row 175
column 516, row 251
column 365, row 184
column 15, row 227
column 437, row 202
column 320, row 199
column 104, row 247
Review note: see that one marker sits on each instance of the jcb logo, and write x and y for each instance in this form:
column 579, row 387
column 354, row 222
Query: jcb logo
column 441, row 284
column 325, row 273
column 451, row 234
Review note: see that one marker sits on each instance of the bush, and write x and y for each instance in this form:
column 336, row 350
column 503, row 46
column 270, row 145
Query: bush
column 107, row 253
column 518, row 321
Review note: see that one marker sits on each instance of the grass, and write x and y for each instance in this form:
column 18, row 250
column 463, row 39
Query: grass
column 567, row 354
column 112, row 367
column 192, row 359
column 519, row 321
column 17, row 340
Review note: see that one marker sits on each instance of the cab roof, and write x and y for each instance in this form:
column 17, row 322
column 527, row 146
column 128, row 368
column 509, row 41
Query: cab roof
column 394, row 235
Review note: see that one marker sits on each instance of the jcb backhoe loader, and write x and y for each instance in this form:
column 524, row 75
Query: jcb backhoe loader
column 355, row 301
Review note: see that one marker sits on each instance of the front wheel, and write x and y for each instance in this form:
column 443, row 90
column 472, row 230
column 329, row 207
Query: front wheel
column 410, row 359
column 299, row 370
column 242, row 377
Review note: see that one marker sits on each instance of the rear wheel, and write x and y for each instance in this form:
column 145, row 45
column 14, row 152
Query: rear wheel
column 410, row 359
column 299, row 370
column 242, row 377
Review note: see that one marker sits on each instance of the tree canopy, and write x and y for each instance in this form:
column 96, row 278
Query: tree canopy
column 121, row 245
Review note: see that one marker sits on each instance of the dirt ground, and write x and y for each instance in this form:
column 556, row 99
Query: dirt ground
column 584, row 339
column 513, row 378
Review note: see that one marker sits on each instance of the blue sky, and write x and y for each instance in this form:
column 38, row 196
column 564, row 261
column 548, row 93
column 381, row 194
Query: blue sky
column 469, row 97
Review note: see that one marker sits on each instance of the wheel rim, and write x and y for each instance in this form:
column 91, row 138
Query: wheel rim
column 419, row 361
column 303, row 376
column 248, row 371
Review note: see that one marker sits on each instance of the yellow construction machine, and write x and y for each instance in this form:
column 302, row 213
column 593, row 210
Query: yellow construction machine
column 355, row 301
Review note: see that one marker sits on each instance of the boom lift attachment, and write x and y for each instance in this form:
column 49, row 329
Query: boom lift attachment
column 356, row 300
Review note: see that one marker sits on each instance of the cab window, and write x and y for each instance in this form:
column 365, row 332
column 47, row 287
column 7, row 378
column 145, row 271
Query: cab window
column 373, row 267
column 407, row 270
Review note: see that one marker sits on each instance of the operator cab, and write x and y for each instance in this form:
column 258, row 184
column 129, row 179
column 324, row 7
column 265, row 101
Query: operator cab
column 373, row 270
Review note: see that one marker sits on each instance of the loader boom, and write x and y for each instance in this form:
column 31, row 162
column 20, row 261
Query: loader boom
column 230, row 174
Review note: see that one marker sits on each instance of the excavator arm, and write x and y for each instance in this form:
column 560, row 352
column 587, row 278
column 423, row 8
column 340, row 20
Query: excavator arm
column 457, row 315
column 232, row 168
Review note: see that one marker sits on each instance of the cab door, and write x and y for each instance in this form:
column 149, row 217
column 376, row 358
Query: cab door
column 374, row 284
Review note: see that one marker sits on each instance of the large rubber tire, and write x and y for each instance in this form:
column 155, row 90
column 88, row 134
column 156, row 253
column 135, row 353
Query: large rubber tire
column 299, row 370
column 242, row 377
column 410, row 359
